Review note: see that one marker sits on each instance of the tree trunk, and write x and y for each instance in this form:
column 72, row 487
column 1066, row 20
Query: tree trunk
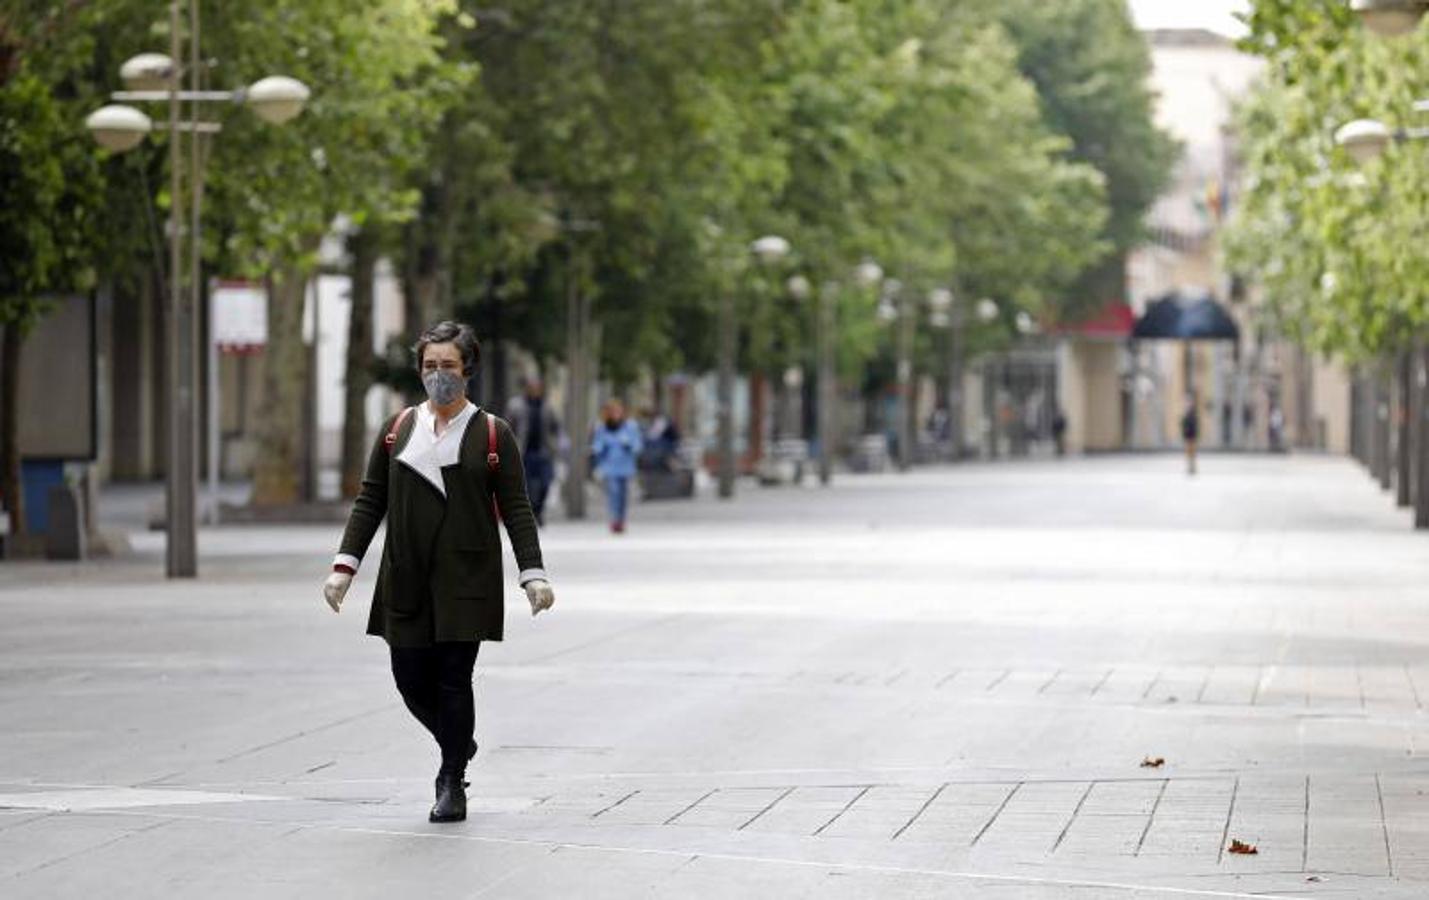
column 754, row 452
column 357, row 378
column 1421, row 450
column 497, row 389
column 1404, row 378
column 1385, row 461
column 580, row 369
column 10, row 427
column 278, row 472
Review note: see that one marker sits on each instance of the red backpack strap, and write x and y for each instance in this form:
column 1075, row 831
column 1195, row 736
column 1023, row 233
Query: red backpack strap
column 493, row 459
column 391, row 437
column 493, row 462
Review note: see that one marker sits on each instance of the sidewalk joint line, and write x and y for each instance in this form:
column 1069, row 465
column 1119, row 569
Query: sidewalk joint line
column 926, row 803
column 1205, row 683
column 707, row 795
column 1152, row 817
column 1384, row 825
column 302, row 734
column 773, row 803
column 1230, row 812
column 847, row 806
column 1150, row 687
column 599, row 813
column 731, row 857
column 1075, row 812
column 995, row 813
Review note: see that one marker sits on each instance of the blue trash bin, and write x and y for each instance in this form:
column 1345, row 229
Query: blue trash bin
column 37, row 477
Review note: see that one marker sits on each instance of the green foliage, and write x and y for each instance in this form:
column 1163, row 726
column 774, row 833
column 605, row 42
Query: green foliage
column 1091, row 70
column 1335, row 246
column 632, row 151
column 49, row 177
column 380, row 86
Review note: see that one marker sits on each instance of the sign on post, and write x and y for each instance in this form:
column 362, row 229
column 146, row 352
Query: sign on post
column 238, row 317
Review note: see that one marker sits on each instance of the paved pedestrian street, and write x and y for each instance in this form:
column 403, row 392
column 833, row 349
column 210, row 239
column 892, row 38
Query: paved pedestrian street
column 1027, row 680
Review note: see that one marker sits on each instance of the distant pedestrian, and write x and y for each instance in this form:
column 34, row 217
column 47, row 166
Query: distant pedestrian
column 1059, row 431
column 434, row 474
column 1191, row 432
column 538, row 434
column 616, row 446
column 1276, row 425
column 662, row 443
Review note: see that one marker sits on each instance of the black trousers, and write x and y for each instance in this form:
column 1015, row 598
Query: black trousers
column 435, row 683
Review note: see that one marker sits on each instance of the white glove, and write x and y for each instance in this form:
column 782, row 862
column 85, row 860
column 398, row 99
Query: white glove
column 335, row 588
column 539, row 592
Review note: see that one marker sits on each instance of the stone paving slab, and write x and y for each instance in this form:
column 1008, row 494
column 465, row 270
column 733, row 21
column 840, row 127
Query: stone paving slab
column 934, row 685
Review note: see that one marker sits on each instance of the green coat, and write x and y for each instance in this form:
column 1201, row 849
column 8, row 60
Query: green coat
column 440, row 578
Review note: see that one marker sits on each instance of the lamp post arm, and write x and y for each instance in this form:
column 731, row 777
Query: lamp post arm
column 186, row 96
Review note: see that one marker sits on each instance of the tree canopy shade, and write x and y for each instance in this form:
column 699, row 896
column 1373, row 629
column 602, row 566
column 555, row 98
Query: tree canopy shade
column 506, row 156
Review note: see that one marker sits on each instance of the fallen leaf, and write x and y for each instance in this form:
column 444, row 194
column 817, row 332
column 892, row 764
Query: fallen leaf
column 1153, row 762
column 1313, row 878
column 1244, row 849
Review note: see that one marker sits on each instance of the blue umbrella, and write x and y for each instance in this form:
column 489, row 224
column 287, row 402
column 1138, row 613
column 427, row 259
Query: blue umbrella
column 1186, row 317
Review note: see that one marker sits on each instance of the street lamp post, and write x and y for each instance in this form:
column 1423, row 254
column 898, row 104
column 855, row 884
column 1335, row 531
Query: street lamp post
column 987, row 313
column 725, row 391
column 118, row 127
column 943, row 315
column 901, row 307
column 768, row 249
column 866, row 275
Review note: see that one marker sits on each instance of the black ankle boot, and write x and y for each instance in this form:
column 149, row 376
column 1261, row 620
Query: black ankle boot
column 451, row 799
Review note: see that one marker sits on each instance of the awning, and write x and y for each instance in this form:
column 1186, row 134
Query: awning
column 1184, row 316
column 1114, row 320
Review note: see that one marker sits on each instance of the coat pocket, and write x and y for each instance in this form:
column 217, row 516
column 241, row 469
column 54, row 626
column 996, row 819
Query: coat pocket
column 474, row 568
column 400, row 595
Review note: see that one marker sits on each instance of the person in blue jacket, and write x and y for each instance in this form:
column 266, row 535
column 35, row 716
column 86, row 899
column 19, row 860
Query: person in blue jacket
column 616, row 445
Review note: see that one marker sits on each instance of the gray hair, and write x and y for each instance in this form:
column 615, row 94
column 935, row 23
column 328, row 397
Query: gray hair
column 450, row 332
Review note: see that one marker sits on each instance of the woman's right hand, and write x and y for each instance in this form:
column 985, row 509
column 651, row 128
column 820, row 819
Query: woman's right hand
column 335, row 588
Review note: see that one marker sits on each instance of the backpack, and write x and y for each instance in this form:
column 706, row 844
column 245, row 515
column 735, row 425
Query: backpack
column 493, row 459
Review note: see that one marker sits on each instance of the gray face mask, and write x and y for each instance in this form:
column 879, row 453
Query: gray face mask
column 443, row 386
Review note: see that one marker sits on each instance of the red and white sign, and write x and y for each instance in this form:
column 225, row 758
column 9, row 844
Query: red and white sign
column 240, row 316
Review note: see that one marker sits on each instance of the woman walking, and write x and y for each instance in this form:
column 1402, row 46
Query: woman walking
column 442, row 473
column 1191, row 431
column 616, row 446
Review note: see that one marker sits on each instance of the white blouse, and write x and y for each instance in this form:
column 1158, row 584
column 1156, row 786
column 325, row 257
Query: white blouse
column 427, row 452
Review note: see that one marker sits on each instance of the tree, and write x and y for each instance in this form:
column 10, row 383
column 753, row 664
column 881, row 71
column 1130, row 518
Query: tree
column 1091, row 69
column 51, row 182
column 380, row 87
column 1333, row 245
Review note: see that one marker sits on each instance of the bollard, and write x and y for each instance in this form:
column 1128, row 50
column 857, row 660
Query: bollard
column 65, row 538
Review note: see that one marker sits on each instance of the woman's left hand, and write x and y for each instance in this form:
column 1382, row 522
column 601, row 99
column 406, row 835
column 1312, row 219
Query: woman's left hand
column 539, row 592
